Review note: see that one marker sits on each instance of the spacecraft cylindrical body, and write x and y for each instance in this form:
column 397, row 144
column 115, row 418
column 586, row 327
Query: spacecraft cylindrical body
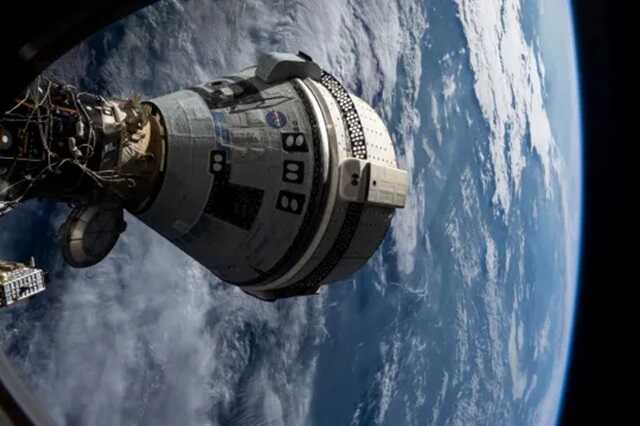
column 276, row 179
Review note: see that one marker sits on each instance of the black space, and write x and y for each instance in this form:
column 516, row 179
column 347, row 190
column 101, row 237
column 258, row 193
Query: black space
column 589, row 388
column 54, row 27
column 34, row 33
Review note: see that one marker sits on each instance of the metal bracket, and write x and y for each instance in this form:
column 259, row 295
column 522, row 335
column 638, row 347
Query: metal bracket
column 368, row 183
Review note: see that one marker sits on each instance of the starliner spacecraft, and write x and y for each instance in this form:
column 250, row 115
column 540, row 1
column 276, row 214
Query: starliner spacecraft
column 276, row 179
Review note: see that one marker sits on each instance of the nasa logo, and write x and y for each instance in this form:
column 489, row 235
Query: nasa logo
column 276, row 119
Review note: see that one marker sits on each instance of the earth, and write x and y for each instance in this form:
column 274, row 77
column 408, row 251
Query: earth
column 463, row 316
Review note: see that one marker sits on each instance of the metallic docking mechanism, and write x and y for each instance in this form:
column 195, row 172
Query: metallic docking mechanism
column 276, row 179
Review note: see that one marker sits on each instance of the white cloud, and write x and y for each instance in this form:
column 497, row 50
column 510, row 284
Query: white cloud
column 408, row 225
column 462, row 248
column 149, row 336
column 541, row 343
column 444, row 387
column 387, row 378
column 449, row 88
column 355, row 419
column 409, row 221
column 468, row 407
column 435, row 118
column 509, row 89
column 491, row 292
column 470, row 200
column 463, row 331
column 518, row 375
column 533, row 382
